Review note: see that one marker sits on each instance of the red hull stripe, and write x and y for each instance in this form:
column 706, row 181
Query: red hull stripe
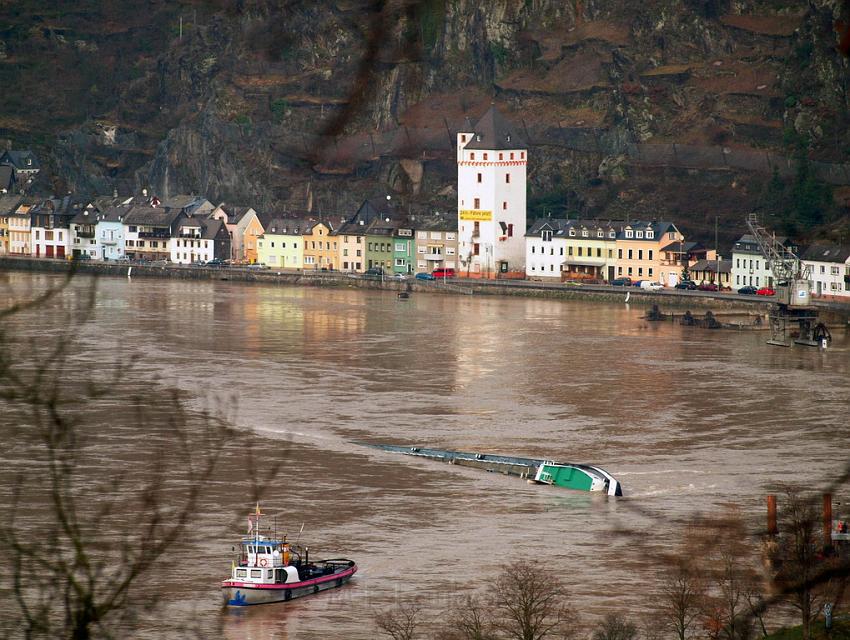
column 291, row 585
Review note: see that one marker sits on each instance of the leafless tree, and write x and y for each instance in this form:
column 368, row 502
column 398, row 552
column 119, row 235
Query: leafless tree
column 530, row 603
column 78, row 538
column 681, row 595
column 401, row 622
column 615, row 627
column 804, row 576
column 471, row 619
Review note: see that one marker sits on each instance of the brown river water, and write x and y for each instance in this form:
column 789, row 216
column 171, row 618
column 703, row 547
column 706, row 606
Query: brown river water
column 688, row 420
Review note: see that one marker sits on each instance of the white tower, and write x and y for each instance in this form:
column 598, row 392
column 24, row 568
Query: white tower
column 491, row 214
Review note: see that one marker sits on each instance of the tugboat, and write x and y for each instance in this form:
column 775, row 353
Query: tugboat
column 270, row 570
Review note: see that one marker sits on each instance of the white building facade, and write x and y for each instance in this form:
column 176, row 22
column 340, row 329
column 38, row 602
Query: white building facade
column 749, row 266
column 545, row 249
column 829, row 271
column 492, row 161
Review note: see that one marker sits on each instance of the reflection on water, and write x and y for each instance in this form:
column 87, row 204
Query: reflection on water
column 687, row 419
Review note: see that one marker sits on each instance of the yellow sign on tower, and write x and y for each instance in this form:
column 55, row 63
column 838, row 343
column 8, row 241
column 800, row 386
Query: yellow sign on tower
column 476, row 215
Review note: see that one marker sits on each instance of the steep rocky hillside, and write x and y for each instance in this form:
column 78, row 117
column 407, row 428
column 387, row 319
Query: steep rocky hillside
column 664, row 108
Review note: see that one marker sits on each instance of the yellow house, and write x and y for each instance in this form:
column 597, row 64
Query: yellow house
column 282, row 244
column 352, row 248
column 7, row 205
column 20, row 236
column 639, row 252
column 321, row 248
column 590, row 250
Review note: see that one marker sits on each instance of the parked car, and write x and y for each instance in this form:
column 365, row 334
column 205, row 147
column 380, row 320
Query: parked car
column 638, row 283
column 747, row 291
column 687, row 285
column 82, row 256
column 216, row 262
column 621, row 282
column 424, row 276
column 652, row 286
column 707, row 286
column 256, row 266
column 374, row 271
column 766, row 291
column 446, row 272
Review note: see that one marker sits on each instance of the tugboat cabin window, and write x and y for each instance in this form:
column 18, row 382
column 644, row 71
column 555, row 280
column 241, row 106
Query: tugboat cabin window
column 256, row 573
column 279, row 577
column 241, row 573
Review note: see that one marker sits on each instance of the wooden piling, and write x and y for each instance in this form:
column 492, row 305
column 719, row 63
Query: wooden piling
column 827, row 520
column 771, row 515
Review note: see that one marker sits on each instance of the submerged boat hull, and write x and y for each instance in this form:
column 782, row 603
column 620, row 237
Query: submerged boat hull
column 243, row 594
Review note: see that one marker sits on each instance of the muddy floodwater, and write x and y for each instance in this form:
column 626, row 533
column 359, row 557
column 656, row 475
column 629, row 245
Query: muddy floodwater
column 688, row 420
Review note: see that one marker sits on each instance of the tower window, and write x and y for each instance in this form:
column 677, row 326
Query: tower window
column 507, row 178
column 504, row 206
column 472, row 156
column 512, row 155
column 485, row 156
column 477, row 203
column 522, row 155
column 479, row 177
column 463, row 138
column 501, row 156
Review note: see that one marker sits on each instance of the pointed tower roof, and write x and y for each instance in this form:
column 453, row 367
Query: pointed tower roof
column 493, row 131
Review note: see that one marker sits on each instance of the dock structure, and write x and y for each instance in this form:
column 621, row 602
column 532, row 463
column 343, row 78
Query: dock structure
column 564, row 474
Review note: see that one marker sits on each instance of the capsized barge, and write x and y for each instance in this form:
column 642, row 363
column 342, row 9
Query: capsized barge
column 581, row 477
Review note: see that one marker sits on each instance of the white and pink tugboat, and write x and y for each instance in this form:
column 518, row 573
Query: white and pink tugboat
column 271, row 570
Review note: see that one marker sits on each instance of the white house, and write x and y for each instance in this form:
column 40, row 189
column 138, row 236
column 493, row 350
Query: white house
column 829, row 270
column 110, row 232
column 749, row 266
column 545, row 249
column 84, row 238
column 491, row 173
column 50, row 231
column 195, row 240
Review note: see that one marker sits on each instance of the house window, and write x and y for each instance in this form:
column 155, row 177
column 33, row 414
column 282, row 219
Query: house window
column 579, row 251
column 436, row 235
column 630, row 254
column 598, row 252
column 650, row 254
column 630, row 271
column 619, row 254
column 479, row 177
column 619, row 271
column 533, row 249
column 399, row 246
column 640, row 252
column 650, row 234
column 422, row 235
column 833, row 270
column 463, row 138
column 638, row 234
column 671, row 235
column 569, row 251
column 572, row 233
column 649, row 271
column 584, row 233
column 476, row 249
column 546, row 235
column 822, row 268
column 600, row 234
column 450, row 235
column 476, row 203
column 628, row 233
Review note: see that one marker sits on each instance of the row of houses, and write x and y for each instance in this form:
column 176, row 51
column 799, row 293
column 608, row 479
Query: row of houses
column 190, row 229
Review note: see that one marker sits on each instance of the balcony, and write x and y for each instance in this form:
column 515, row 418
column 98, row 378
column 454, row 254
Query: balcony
column 159, row 233
column 433, row 257
column 190, row 236
column 85, row 233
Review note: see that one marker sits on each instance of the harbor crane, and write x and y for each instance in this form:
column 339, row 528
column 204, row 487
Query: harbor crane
column 793, row 291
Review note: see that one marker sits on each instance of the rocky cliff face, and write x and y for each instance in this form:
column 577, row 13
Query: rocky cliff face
column 283, row 103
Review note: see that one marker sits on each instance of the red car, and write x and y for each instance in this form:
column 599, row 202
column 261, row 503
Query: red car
column 765, row 291
column 707, row 286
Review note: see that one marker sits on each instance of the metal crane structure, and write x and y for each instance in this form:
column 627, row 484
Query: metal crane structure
column 793, row 291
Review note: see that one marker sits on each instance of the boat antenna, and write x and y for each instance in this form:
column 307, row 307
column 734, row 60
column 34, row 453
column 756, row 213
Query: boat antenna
column 299, row 534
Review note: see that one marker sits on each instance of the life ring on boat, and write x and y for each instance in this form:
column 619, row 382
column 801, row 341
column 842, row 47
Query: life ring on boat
column 263, row 562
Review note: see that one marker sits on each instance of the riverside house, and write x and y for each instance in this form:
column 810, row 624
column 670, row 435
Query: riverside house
column 20, row 228
column 50, row 229
column 367, row 237
column 404, row 251
column 199, row 239
column 436, row 243
column 351, row 239
column 245, row 227
column 749, row 267
column 829, row 271
column 321, row 247
column 641, row 252
column 282, row 244
column 84, row 240
column 110, row 232
column 8, row 204
column 590, row 250
column 148, row 232
column 713, row 271
column 545, row 248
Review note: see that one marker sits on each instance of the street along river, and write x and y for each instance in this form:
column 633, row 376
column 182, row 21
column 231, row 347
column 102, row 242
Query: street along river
column 688, row 420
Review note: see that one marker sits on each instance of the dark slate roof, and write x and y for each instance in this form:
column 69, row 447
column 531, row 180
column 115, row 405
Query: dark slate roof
column 826, row 253
column 9, row 203
column 210, row 227
column 114, row 214
column 658, row 229
column 711, row 265
column 287, row 226
column 494, row 131
column 235, row 213
column 683, row 247
column 540, row 224
column 435, row 223
column 22, row 160
column 151, row 216
column 562, row 226
column 7, row 177
column 86, row 216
